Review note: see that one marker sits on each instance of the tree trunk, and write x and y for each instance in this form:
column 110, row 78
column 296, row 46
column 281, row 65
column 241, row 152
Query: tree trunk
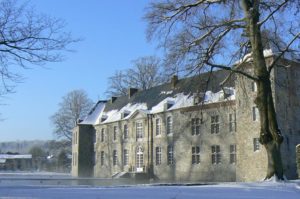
column 270, row 135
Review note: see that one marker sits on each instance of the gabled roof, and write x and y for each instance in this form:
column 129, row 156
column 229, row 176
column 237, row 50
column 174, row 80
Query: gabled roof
column 190, row 85
column 157, row 99
column 94, row 115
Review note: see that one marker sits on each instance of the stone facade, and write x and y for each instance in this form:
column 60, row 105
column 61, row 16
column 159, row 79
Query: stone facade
column 189, row 138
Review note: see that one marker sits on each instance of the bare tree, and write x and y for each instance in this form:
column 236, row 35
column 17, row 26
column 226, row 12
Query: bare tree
column 200, row 35
column 145, row 73
column 117, row 84
column 73, row 107
column 27, row 38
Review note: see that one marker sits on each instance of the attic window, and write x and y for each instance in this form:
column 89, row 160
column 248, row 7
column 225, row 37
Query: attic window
column 168, row 104
column 198, row 98
column 103, row 118
column 125, row 114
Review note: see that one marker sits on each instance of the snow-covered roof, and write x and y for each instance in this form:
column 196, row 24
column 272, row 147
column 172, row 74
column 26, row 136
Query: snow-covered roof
column 95, row 114
column 129, row 110
column 9, row 156
column 268, row 53
column 165, row 97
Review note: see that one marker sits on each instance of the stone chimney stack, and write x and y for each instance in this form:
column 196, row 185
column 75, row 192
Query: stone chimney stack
column 132, row 91
column 174, row 80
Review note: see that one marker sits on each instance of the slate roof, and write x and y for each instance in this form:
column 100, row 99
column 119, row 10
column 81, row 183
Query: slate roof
column 187, row 86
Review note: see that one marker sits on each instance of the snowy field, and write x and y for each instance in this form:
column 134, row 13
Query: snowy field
column 259, row 190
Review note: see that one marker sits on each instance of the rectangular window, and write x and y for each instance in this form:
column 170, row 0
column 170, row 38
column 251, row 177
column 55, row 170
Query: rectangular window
column 232, row 122
column 195, row 126
column 253, row 86
column 256, row 144
column 255, row 114
column 232, row 152
column 102, row 135
column 196, row 155
column 139, row 130
column 102, row 158
column 115, row 133
column 215, row 154
column 157, row 126
column 215, row 125
column 126, row 157
column 169, row 125
column 170, row 154
column 115, row 157
column 76, row 137
column 125, row 132
column 158, row 155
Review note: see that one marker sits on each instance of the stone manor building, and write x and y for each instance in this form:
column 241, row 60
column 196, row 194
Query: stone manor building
column 189, row 129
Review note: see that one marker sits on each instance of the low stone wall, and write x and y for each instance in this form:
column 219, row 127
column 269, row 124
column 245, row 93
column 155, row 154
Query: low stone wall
column 298, row 159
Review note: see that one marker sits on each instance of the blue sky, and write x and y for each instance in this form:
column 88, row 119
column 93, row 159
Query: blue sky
column 114, row 34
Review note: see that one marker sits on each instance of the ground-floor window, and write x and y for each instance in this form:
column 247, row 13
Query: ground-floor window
column 158, row 155
column 170, row 154
column 215, row 154
column 232, row 151
column 126, row 157
column 115, row 156
column 195, row 154
column 102, row 158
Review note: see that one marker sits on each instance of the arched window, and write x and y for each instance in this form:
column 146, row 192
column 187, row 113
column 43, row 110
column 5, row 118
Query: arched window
column 139, row 159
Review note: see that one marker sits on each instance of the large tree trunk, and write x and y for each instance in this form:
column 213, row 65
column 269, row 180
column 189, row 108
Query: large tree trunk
column 270, row 135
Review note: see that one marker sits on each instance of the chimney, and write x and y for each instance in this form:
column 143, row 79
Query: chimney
column 113, row 99
column 132, row 91
column 174, row 80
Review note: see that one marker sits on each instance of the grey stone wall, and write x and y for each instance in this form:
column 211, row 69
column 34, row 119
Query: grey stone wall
column 183, row 141
column 83, row 151
column 131, row 144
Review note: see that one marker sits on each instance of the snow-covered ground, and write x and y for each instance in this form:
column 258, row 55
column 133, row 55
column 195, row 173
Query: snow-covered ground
column 258, row 190
column 290, row 190
column 53, row 185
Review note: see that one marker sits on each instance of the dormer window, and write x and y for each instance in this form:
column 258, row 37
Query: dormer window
column 125, row 114
column 168, row 105
column 103, row 118
column 198, row 98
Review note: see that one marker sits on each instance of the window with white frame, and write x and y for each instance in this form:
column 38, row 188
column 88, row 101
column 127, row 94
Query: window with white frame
column 256, row 144
column 170, row 154
column 115, row 133
column 169, row 125
column 115, row 157
column 125, row 157
column 158, row 155
column 125, row 131
column 157, row 126
column 195, row 126
column 139, row 130
column 215, row 124
column 232, row 152
column 232, row 122
column 215, row 154
column 102, row 158
column 255, row 113
column 102, row 135
column 196, row 155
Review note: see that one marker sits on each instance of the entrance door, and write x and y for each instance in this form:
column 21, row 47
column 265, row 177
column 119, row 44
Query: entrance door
column 139, row 159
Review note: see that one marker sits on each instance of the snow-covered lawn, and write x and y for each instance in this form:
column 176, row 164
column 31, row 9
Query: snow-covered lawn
column 260, row 190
